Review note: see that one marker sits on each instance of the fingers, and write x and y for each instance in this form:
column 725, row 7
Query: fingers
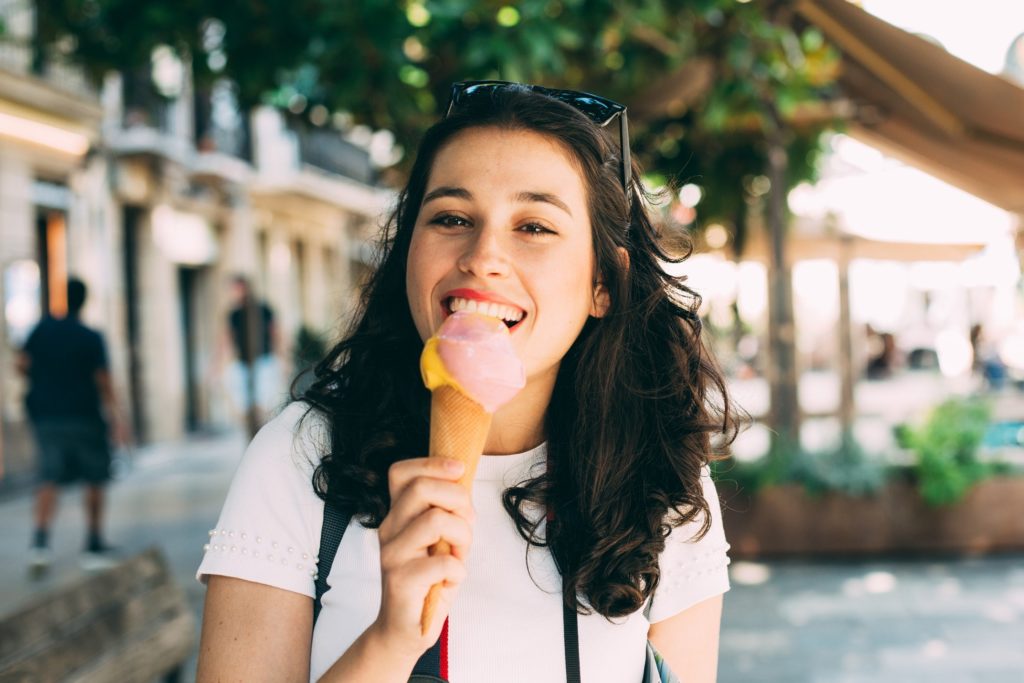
column 414, row 578
column 412, row 541
column 405, row 591
column 403, row 472
column 423, row 493
column 428, row 507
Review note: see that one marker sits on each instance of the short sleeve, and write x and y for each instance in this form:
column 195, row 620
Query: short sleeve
column 100, row 360
column 269, row 529
column 693, row 570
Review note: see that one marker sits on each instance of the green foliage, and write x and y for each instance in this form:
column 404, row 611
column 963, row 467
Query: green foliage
column 946, row 447
column 846, row 469
column 389, row 64
column 310, row 348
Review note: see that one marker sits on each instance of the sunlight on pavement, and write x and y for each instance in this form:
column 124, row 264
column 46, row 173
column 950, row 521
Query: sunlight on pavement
column 935, row 649
column 750, row 573
column 872, row 583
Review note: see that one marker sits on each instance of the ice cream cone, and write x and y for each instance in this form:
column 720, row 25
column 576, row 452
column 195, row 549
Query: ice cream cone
column 458, row 430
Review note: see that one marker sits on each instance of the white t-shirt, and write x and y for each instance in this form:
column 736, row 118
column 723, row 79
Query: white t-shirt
column 506, row 623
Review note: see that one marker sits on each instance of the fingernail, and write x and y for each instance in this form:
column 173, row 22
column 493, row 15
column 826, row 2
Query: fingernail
column 455, row 466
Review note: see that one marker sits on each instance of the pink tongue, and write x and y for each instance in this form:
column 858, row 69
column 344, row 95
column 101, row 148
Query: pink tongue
column 477, row 351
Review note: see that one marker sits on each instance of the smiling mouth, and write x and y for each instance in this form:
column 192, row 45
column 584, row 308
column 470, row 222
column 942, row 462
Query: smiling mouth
column 510, row 315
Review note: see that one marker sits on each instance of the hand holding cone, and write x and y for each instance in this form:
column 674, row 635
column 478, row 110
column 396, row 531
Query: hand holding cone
column 472, row 370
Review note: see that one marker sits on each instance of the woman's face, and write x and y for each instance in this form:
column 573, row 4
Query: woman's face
column 504, row 224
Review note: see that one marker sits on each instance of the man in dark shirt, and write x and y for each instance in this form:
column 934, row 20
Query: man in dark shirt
column 255, row 375
column 69, row 402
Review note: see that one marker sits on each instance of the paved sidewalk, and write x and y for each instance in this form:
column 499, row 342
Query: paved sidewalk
column 170, row 496
column 875, row 621
column 940, row 621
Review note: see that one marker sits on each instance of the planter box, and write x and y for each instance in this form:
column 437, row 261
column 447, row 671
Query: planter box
column 785, row 520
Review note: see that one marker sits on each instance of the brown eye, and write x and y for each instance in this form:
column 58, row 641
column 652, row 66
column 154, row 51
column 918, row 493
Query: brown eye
column 536, row 229
column 450, row 220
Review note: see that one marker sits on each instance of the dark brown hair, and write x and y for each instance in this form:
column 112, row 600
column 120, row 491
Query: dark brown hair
column 626, row 443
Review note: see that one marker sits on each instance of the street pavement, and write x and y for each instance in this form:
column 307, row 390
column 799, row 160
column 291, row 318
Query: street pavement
column 942, row 620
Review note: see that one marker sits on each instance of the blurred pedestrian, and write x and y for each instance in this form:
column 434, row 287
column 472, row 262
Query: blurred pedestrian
column 73, row 411
column 254, row 375
column 594, row 523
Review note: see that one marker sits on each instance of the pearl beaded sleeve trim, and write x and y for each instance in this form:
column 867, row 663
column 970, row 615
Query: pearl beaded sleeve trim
column 256, row 547
column 701, row 564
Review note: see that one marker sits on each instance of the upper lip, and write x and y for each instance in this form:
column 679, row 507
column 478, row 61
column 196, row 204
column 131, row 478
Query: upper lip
column 476, row 295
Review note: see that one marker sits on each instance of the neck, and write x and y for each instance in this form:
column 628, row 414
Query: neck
column 518, row 426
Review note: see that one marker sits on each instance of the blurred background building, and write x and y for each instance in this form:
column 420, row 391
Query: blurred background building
column 155, row 193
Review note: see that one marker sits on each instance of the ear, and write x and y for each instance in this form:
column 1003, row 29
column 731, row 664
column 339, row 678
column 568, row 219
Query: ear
column 601, row 300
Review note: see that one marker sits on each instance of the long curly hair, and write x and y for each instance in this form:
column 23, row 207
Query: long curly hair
column 626, row 443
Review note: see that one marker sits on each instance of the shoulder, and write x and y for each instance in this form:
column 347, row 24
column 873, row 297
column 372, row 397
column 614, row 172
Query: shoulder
column 269, row 528
column 693, row 567
column 277, row 467
column 295, row 439
column 41, row 329
column 93, row 335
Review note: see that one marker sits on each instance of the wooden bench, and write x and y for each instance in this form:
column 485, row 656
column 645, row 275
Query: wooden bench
column 128, row 624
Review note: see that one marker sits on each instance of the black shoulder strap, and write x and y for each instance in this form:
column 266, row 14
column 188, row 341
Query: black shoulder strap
column 571, row 640
column 331, row 532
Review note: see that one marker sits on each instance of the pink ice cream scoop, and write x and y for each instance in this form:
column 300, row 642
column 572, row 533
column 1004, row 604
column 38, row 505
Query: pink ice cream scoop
column 474, row 353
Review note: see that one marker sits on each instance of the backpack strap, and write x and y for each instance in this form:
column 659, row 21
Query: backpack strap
column 571, row 640
column 333, row 528
column 335, row 522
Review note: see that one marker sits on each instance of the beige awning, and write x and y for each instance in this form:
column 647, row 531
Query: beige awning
column 918, row 102
column 912, row 99
column 833, row 247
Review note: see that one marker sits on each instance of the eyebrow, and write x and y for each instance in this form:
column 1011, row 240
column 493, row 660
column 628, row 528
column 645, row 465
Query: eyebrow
column 524, row 196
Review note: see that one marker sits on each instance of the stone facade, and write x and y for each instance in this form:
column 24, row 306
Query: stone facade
column 162, row 201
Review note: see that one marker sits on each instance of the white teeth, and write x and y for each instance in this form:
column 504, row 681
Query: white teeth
column 494, row 310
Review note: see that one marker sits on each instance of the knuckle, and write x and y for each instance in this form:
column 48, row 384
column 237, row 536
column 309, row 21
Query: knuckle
column 395, row 475
column 436, row 516
column 419, row 488
column 453, row 567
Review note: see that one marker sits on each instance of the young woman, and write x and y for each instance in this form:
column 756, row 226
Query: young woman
column 592, row 517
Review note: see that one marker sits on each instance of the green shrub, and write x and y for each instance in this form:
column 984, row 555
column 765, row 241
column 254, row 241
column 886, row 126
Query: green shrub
column 946, row 449
column 847, row 469
column 309, row 349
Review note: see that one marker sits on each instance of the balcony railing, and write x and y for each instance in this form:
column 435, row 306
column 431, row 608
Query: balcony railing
column 220, row 126
column 22, row 54
column 143, row 105
column 325, row 149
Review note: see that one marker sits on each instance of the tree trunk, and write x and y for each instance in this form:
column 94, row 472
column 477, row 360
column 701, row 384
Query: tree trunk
column 739, row 243
column 781, row 370
column 847, row 406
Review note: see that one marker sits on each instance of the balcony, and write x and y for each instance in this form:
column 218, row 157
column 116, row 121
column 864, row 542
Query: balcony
column 222, row 135
column 296, row 162
column 326, row 150
column 19, row 54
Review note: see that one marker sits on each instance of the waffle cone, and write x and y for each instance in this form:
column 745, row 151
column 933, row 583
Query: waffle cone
column 458, row 431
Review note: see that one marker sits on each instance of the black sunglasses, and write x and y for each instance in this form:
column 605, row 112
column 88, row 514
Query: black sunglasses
column 598, row 109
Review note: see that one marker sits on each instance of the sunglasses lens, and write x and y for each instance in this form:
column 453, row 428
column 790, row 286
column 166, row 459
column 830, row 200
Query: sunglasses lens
column 598, row 111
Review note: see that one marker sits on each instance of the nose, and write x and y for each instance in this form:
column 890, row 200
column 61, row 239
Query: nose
column 484, row 256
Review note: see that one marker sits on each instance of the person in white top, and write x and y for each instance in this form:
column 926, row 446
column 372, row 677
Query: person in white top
column 593, row 499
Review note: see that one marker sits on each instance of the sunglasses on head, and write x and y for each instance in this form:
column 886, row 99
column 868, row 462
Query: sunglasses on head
column 598, row 109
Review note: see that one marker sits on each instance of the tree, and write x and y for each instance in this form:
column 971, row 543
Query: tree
column 750, row 128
